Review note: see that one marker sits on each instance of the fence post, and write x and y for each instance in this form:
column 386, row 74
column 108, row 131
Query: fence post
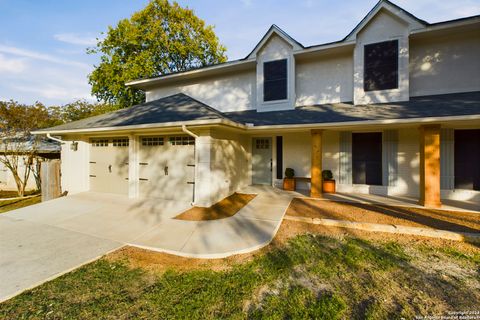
column 50, row 176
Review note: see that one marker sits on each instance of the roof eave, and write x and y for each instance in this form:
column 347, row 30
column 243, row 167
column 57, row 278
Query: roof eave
column 379, row 122
column 164, row 125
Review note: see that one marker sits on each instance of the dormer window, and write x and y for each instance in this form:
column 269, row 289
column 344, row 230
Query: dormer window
column 381, row 66
column 275, row 80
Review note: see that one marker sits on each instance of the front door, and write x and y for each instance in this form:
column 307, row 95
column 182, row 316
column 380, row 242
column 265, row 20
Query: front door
column 262, row 161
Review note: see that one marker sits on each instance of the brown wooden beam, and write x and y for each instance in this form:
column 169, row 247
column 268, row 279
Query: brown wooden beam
column 430, row 166
column 316, row 168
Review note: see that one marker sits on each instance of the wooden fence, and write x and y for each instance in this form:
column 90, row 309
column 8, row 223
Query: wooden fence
column 50, row 175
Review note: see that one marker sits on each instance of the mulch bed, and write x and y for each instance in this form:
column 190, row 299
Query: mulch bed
column 383, row 214
column 220, row 210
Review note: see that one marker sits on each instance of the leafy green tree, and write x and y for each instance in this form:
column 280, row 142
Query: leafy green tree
column 161, row 38
column 18, row 148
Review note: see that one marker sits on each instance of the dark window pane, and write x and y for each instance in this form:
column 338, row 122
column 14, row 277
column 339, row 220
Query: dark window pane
column 275, row 80
column 467, row 159
column 367, row 158
column 381, row 66
column 279, row 157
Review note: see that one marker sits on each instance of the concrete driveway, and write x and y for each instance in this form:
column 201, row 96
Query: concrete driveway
column 43, row 241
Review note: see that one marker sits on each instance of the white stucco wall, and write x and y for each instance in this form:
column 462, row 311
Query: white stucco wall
column 324, row 80
column 229, row 163
column 230, row 92
column 297, row 150
column 276, row 49
column 7, row 181
column 408, row 159
column 75, row 166
column 445, row 64
column 383, row 27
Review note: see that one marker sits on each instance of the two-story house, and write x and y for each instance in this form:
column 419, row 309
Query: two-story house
column 391, row 109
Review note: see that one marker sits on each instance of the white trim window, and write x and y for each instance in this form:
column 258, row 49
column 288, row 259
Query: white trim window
column 275, row 83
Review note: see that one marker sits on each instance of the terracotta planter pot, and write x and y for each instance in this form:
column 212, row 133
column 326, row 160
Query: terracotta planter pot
column 329, row 186
column 289, row 184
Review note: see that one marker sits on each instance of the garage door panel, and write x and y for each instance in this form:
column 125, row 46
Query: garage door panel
column 166, row 170
column 109, row 165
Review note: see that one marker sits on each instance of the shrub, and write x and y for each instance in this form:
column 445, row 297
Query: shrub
column 289, row 173
column 327, row 175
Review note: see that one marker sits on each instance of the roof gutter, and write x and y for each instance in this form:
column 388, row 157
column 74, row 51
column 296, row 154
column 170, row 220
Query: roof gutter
column 368, row 122
column 151, row 126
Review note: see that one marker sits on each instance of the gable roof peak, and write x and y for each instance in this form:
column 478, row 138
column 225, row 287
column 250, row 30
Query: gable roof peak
column 274, row 29
column 390, row 7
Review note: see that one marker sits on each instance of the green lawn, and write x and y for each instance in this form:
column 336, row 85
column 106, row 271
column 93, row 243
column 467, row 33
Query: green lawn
column 311, row 276
column 7, row 205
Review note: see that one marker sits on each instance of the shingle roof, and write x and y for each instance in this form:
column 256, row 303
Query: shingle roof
column 455, row 104
column 42, row 145
column 180, row 108
column 176, row 108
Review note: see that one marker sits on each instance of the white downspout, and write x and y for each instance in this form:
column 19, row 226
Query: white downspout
column 55, row 139
column 190, row 133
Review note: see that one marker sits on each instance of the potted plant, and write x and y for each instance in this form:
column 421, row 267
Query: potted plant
column 328, row 183
column 289, row 180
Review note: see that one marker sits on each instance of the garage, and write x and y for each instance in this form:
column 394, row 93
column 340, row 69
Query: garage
column 167, row 167
column 109, row 165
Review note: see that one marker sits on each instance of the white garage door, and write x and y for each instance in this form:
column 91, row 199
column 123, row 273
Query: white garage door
column 109, row 165
column 166, row 167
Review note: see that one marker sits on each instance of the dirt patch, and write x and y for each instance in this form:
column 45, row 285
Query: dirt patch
column 383, row 214
column 220, row 210
column 157, row 262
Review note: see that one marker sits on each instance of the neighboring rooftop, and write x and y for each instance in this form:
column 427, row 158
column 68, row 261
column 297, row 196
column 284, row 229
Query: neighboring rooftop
column 42, row 145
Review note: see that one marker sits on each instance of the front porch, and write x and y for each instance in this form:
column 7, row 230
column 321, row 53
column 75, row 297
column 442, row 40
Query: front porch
column 416, row 165
column 396, row 201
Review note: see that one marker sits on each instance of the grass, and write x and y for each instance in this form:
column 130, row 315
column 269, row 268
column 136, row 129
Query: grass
column 7, row 205
column 308, row 277
column 14, row 194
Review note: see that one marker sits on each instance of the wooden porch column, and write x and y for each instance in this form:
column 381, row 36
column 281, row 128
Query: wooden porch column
column 430, row 166
column 316, row 169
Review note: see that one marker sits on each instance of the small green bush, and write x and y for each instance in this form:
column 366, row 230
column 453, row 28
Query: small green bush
column 327, row 175
column 289, row 173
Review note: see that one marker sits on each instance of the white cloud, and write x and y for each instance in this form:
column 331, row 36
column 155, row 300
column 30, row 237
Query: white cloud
column 40, row 56
column 56, row 92
column 29, row 76
column 11, row 65
column 75, row 38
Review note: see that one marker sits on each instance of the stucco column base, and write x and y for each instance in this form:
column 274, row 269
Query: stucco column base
column 316, row 168
column 430, row 166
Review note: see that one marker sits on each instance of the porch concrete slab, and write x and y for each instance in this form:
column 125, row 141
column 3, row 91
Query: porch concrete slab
column 222, row 238
column 252, row 227
column 264, row 210
column 169, row 236
column 32, row 253
column 403, row 201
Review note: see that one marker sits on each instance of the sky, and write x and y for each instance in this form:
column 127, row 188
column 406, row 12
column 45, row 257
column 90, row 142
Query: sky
column 43, row 42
